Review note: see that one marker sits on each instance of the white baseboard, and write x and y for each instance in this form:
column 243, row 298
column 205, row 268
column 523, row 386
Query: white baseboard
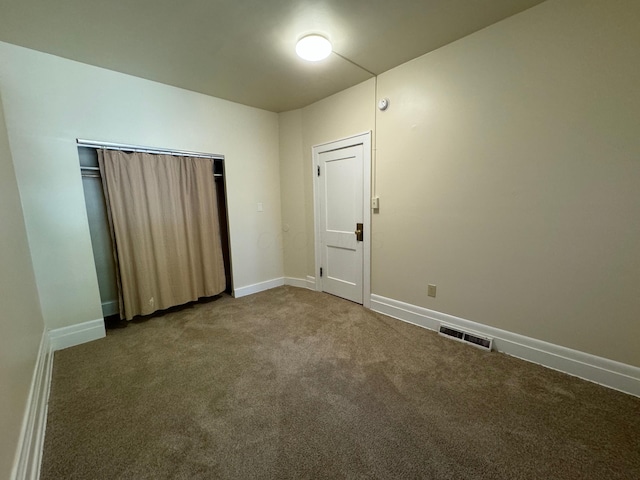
column 258, row 287
column 29, row 451
column 76, row 334
column 295, row 282
column 309, row 283
column 612, row 374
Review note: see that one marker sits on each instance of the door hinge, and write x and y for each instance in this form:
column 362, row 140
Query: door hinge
column 321, row 271
column 318, row 170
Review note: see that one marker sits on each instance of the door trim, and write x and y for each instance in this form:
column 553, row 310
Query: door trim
column 363, row 139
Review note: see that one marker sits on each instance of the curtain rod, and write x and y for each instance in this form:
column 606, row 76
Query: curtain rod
column 138, row 148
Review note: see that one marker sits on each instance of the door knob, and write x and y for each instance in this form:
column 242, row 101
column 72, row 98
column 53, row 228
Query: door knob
column 358, row 232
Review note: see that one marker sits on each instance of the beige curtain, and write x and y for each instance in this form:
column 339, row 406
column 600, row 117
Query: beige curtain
column 164, row 216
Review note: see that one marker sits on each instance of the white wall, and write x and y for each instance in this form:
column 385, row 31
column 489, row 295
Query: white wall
column 21, row 324
column 50, row 101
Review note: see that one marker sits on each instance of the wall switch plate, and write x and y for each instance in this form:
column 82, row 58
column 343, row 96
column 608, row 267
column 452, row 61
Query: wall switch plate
column 375, row 203
column 431, row 290
column 260, row 207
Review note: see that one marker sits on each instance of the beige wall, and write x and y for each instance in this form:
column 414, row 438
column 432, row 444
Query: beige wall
column 21, row 324
column 344, row 114
column 292, row 186
column 50, row 101
column 509, row 175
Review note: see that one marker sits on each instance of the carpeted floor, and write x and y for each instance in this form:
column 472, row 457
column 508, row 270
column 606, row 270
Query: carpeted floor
column 295, row 384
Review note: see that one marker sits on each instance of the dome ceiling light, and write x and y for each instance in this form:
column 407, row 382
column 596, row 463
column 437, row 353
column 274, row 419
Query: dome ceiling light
column 313, row 48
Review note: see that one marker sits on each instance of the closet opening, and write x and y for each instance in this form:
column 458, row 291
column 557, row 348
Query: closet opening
column 101, row 237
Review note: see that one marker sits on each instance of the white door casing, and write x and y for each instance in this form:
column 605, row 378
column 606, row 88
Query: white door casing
column 342, row 192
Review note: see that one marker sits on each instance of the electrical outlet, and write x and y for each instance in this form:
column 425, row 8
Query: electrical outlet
column 431, row 290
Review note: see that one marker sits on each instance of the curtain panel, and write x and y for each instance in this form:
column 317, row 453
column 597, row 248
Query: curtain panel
column 164, row 221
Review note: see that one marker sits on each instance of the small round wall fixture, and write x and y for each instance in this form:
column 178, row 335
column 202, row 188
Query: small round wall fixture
column 313, row 48
column 383, row 104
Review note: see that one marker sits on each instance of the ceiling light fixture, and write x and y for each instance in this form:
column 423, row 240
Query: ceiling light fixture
column 313, row 48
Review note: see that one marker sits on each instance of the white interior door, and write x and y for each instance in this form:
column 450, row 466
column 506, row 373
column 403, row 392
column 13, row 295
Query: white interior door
column 342, row 214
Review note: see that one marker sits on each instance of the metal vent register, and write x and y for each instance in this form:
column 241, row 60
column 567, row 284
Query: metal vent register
column 479, row 341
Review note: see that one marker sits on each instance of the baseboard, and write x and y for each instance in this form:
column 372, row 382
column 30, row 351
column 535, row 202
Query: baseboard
column 258, row 287
column 29, row 451
column 110, row 308
column 309, row 283
column 73, row 335
column 609, row 373
column 295, row 282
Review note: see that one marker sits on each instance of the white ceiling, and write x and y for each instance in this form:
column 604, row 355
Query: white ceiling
column 243, row 50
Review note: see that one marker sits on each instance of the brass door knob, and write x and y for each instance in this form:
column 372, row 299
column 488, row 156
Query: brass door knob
column 358, row 232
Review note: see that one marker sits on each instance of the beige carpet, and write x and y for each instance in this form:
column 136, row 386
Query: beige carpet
column 294, row 384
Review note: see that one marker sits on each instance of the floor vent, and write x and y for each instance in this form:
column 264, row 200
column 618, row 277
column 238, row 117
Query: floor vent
column 479, row 341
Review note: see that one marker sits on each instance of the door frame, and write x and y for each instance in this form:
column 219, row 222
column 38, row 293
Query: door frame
column 363, row 139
